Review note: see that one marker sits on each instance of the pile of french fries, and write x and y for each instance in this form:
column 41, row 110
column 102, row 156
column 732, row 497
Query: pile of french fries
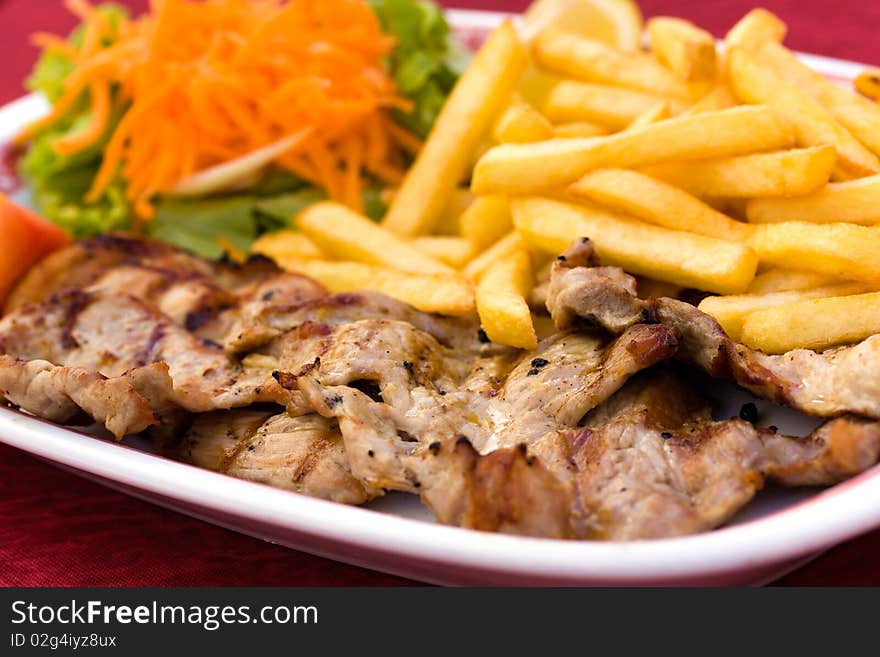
column 732, row 169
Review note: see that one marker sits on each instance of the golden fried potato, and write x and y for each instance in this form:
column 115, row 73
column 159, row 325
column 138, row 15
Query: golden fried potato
column 719, row 97
column 487, row 220
column 520, row 169
column 346, row 235
column 755, row 28
column 659, row 112
column 577, row 129
column 783, row 173
column 578, row 57
column 453, row 251
column 521, row 123
column 867, row 83
column 657, row 203
column 614, row 107
column 676, row 257
column 473, row 106
column 858, row 115
column 501, row 301
column 501, row 249
column 813, row 324
column 685, row 49
column 846, row 251
column 754, row 81
column 783, row 280
column 459, row 200
column 855, row 201
column 287, row 243
column 447, row 295
column 731, row 311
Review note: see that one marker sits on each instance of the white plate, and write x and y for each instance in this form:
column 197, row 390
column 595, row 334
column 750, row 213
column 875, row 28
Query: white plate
column 778, row 531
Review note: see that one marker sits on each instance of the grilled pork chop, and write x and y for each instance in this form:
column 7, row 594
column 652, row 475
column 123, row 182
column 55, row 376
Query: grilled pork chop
column 207, row 298
column 303, row 454
column 564, row 441
column 112, row 334
column 648, row 463
column 421, row 393
column 827, row 384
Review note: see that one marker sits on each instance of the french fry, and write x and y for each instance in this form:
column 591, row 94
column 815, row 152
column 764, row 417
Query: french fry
column 813, row 324
column 453, row 251
column 755, row 28
column 783, row 280
column 858, row 115
column 579, row 129
column 508, row 244
column 535, row 83
column 685, row 49
column 682, row 258
column 657, row 203
column 521, row 123
column 753, row 81
column 867, row 83
column 469, row 112
column 731, row 311
column 520, row 169
column 486, row 221
column 719, row 97
column 855, row 201
column 578, row 57
column 459, row 200
column 447, row 295
column 615, row 107
column 846, row 251
column 659, row 112
column 287, row 243
column 501, row 304
column 346, row 235
column 782, row 173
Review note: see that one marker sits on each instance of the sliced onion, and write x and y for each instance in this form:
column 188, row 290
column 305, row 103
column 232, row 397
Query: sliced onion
column 237, row 173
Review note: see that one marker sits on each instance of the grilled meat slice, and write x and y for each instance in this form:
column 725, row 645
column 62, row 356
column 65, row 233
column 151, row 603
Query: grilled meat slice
column 827, row 384
column 504, row 491
column 126, row 404
column 583, row 293
column 112, row 334
column 206, row 298
column 395, row 390
column 303, row 454
column 566, row 377
column 650, row 462
column 257, row 327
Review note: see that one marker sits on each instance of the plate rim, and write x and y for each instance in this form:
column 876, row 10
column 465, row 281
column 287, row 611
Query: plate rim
column 826, row 519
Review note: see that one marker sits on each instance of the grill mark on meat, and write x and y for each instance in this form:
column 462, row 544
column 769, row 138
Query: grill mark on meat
column 146, row 354
column 302, row 454
column 77, row 301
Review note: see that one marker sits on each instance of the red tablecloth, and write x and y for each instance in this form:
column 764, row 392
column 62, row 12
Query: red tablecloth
column 57, row 529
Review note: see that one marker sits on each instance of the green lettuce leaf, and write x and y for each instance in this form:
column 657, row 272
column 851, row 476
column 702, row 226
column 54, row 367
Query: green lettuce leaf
column 426, row 61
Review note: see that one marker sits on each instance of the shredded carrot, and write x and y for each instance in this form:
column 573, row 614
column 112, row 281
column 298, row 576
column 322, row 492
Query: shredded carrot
column 100, row 101
column 205, row 82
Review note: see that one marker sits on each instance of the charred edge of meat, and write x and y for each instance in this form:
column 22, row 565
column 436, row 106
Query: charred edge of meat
column 510, row 491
